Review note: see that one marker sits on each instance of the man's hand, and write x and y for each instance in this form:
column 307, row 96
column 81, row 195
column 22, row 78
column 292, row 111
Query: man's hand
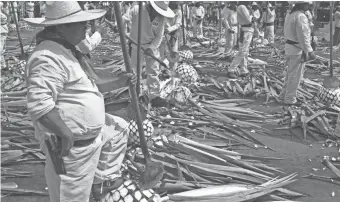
column 131, row 77
column 101, row 28
column 149, row 52
column 231, row 31
column 311, row 55
column 253, row 19
column 66, row 144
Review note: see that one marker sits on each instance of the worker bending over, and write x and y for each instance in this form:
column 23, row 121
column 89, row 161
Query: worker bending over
column 152, row 32
column 297, row 49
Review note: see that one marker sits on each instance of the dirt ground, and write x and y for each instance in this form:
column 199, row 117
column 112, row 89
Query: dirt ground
column 298, row 157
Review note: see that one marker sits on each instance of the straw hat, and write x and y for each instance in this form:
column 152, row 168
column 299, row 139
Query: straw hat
column 64, row 12
column 254, row 4
column 270, row 5
column 299, row 2
column 162, row 7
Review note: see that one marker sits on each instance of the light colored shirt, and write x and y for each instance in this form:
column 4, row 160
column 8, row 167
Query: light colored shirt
column 337, row 18
column 175, row 23
column 55, row 80
column 152, row 32
column 310, row 18
column 268, row 16
column 30, row 7
column 197, row 12
column 257, row 14
column 90, row 42
column 244, row 17
column 297, row 29
column 229, row 18
column 4, row 27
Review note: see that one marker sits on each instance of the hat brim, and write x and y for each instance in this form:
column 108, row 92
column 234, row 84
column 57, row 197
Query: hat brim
column 168, row 13
column 80, row 16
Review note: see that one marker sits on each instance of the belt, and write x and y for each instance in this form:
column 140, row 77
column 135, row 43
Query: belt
column 4, row 23
column 248, row 25
column 269, row 23
column 291, row 42
column 83, row 143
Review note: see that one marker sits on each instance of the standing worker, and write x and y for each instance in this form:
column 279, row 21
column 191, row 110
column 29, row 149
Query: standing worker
column 30, row 9
column 229, row 19
column 152, row 31
column 246, row 34
column 268, row 19
column 336, row 36
column 63, row 101
column 3, row 35
column 298, row 50
column 172, row 30
column 197, row 14
column 257, row 14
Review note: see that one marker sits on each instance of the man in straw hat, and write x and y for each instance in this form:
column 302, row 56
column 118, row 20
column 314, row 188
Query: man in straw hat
column 298, row 49
column 64, row 103
column 245, row 20
column 152, row 32
column 268, row 19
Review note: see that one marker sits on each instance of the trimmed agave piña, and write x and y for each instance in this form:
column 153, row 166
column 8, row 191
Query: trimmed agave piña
column 133, row 132
column 187, row 73
column 329, row 96
column 181, row 94
column 186, row 55
column 130, row 192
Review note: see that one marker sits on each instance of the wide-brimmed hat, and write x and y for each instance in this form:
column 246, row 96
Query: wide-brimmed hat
column 64, row 12
column 254, row 4
column 299, row 2
column 162, row 7
column 270, row 5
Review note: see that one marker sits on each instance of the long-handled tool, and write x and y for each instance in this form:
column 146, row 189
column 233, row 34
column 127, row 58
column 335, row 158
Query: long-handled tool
column 154, row 171
column 332, row 81
column 184, row 46
column 139, row 39
column 18, row 32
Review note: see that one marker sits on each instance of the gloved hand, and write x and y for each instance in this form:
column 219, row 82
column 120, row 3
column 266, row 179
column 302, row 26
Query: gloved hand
column 131, row 77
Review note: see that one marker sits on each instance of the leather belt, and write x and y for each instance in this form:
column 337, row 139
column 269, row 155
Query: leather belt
column 248, row 25
column 3, row 24
column 269, row 23
column 291, row 42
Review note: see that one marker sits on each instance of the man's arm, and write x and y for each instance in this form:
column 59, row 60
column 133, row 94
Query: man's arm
column 243, row 11
column 45, row 81
column 178, row 23
column 303, row 33
column 159, row 36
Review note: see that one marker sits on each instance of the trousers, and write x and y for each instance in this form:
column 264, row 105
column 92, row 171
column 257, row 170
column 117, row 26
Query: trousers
column 336, row 36
column 269, row 34
column 3, row 49
column 197, row 28
column 152, row 71
column 241, row 58
column 30, row 14
column 91, row 164
column 293, row 78
column 230, row 41
column 163, row 49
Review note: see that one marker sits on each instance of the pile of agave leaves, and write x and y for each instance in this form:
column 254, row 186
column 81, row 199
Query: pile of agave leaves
column 200, row 142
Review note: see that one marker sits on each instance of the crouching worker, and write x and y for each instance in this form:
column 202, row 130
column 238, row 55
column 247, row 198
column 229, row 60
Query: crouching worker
column 66, row 106
column 298, row 50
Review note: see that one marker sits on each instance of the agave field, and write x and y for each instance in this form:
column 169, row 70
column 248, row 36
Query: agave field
column 208, row 135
